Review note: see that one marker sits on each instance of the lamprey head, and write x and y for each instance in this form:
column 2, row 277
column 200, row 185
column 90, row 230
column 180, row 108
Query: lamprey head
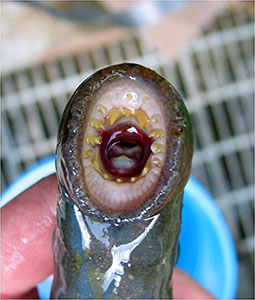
column 125, row 143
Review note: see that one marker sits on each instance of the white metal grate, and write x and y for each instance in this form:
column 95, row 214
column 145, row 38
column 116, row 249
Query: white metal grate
column 216, row 77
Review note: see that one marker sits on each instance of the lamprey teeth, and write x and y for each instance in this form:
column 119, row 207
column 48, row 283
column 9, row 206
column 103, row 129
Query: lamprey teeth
column 101, row 108
column 106, row 176
column 96, row 165
column 131, row 97
column 145, row 171
column 142, row 118
column 157, row 162
column 92, row 139
column 157, row 148
column 155, row 118
column 97, row 124
column 145, row 99
column 88, row 153
column 127, row 112
column 117, row 120
column 114, row 115
column 157, row 133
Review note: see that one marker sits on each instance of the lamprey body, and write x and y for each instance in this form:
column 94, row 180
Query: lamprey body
column 123, row 157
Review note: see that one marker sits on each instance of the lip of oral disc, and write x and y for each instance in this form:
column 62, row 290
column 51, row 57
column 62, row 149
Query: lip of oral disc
column 157, row 109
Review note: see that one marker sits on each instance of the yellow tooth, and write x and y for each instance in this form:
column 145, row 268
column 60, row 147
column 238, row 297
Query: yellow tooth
column 96, row 165
column 155, row 118
column 95, row 162
column 101, row 108
column 157, row 148
column 88, row 153
column 119, row 180
column 157, row 162
column 145, row 99
column 105, row 176
column 114, row 115
column 127, row 112
column 129, row 96
column 97, row 124
column 157, row 133
column 92, row 139
column 142, row 118
column 146, row 169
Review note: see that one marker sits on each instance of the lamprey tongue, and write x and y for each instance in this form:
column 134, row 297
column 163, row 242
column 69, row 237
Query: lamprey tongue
column 124, row 151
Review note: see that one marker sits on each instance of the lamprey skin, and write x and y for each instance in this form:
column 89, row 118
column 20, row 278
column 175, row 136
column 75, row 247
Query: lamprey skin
column 123, row 157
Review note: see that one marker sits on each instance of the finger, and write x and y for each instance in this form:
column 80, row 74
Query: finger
column 33, row 294
column 28, row 223
column 185, row 287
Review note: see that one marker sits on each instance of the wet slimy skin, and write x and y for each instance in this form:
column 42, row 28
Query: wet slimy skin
column 123, row 158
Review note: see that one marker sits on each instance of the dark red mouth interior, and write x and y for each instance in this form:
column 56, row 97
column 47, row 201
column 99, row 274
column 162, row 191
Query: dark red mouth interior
column 128, row 142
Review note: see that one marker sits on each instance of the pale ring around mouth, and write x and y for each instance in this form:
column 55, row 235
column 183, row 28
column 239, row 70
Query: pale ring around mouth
column 124, row 145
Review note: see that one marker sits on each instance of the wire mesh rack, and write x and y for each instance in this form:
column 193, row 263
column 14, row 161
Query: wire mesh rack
column 214, row 74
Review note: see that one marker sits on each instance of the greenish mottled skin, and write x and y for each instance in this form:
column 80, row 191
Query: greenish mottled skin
column 104, row 256
column 80, row 272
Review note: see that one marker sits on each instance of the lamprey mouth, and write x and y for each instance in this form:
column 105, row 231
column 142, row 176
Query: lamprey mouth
column 126, row 143
column 124, row 151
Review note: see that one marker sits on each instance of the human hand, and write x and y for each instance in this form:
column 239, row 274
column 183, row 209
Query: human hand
column 26, row 234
